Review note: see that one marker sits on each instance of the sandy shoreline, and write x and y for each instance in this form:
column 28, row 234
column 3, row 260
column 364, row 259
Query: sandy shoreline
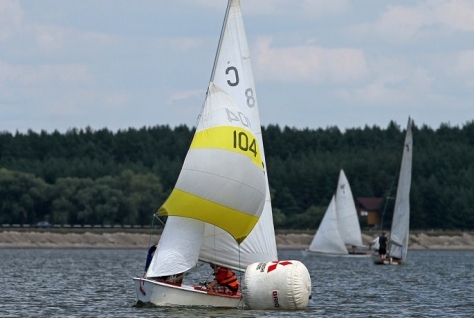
column 136, row 240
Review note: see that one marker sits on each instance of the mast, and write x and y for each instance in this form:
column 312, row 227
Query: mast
column 216, row 56
column 220, row 39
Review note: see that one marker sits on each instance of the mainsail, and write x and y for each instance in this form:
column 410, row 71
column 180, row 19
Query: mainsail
column 398, row 244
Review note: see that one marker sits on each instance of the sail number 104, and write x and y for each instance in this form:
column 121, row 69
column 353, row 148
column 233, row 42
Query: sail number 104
column 242, row 141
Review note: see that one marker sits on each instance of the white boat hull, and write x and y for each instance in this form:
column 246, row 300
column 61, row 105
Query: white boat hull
column 169, row 294
column 307, row 253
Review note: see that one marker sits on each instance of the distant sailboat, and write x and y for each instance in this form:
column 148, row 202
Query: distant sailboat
column 398, row 241
column 340, row 226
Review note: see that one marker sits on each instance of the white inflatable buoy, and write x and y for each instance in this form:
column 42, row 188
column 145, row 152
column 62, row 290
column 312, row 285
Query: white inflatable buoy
column 284, row 285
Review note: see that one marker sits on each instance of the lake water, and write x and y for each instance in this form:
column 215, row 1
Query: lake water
column 97, row 283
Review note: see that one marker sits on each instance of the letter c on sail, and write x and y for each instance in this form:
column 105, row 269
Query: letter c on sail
column 233, row 68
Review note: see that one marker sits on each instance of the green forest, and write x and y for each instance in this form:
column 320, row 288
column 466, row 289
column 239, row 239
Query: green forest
column 101, row 177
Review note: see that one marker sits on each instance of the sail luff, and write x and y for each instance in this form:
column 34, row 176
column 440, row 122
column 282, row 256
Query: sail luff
column 224, row 24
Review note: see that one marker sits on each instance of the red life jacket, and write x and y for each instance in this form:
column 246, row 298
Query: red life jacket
column 225, row 276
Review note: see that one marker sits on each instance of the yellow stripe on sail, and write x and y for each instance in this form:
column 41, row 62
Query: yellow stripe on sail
column 230, row 138
column 236, row 223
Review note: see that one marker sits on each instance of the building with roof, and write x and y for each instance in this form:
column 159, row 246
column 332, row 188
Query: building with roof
column 369, row 210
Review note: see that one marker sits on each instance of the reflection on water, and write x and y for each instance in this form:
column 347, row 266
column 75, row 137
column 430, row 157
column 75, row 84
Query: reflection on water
column 98, row 283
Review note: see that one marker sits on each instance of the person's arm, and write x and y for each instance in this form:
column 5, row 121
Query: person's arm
column 211, row 284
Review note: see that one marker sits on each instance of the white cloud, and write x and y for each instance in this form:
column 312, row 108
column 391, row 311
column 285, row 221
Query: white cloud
column 393, row 83
column 52, row 38
column 309, row 64
column 117, row 100
column 11, row 16
column 460, row 66
column 185, row 44
column 307, row 7
column 400, row 24
column 284, row 7
column 457, row 15
column 464, row 63
column 43, row 74
column 184, row 95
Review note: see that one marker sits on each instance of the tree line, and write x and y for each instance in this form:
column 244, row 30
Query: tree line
column 87, row 176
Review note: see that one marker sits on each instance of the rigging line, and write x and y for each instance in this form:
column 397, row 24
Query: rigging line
column 151, row 229
column 201, row 274
column 149, row 243
column 152, row 226
column 384, row 209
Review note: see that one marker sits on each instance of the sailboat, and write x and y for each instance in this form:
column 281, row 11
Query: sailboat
column 219, row 210
column 398, row 241
column 340, row 226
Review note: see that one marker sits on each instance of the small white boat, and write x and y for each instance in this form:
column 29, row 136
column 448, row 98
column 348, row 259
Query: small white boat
column 161, row 293
column 219, row 210
column 340, row 226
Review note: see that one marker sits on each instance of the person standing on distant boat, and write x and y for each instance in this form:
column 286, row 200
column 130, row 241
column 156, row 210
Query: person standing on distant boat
column 383, row 242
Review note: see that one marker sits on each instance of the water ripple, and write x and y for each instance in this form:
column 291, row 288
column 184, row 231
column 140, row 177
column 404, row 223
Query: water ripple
column 98, row 283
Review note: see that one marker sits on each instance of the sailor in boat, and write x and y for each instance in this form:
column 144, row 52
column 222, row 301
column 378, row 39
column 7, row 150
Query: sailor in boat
column 149, row 257
column 354, row 250
column 225, row 281
column 177, row 279
column 383, row 242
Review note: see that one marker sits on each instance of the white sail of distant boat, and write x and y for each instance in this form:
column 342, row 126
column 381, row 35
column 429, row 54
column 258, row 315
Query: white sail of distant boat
column 348, row 221
column 327, row 239
column 399, row 234
column 340, row 225
column 220, row 209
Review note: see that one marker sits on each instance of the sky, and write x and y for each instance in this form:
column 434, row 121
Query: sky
column 120, row 64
